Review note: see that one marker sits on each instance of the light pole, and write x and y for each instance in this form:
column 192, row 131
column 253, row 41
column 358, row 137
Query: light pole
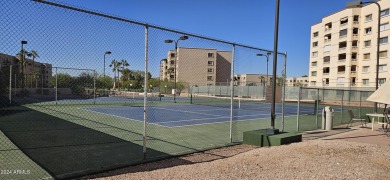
column 23, row 42
column 266, row 55
column 359, row 3
column 104, row 62
column 176, row 43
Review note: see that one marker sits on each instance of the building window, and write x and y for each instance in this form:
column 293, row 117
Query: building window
column 313, row 83
column 210, row 63
column 314, row 54
column 385, row 12
column 315, row 34
column 328, row 26
column 381, row 81
column 343, row 32
column 172, row 55
column 383, row 54
column 209, row 78
column 383, row 68
column 367, row 43
column 210, row 55
column 384, row 40
column 314, row 63
column 366, row 56
column 344, row 21
column 341, row 69
column 314, row 73
column 365, row 82
column 365, row 69
column 342, row 44
column 210, row 70
column 327, row 48
column 368, row 30
column 325, row 80
column 353, row 68
column 384, row 27
column 356, row 18
column 369, row 17
column 342, row 56
column 326, row 70
column 354, row 56
column 315, row 44
column 355, row 31
column 326, row 59
column 172, row 62
column 354, row 43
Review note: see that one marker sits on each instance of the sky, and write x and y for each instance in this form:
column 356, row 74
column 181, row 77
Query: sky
column 248, row 22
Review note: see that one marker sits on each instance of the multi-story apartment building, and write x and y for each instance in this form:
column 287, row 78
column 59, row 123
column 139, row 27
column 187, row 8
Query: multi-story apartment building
column 43, row 71
column 297, row 81
column 344, row 45
column 196, row 66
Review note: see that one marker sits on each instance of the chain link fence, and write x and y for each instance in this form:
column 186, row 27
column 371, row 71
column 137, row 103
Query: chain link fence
column 85, row 92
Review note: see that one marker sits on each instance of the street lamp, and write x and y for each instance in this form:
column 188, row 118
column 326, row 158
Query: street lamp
column 359, row 3
column 176, row 43
column 266, row 55
column 104, row 62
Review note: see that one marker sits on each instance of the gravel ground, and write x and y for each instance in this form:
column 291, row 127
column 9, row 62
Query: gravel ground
column 314, row 159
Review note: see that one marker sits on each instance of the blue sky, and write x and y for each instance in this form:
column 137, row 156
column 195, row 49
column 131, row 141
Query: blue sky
column 249, row 22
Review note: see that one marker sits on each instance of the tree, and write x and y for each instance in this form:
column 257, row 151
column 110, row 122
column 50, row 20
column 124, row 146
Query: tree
column 34, row 54
column 115, row 68
column 22, row 59
column 123, row 64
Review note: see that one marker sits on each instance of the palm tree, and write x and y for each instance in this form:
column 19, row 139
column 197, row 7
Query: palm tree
column 22, row 58
column 34, row 54
column 124, row 64
column 115, row 68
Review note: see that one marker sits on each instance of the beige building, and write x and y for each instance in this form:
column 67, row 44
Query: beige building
column 297, row 81
column 44, row 69
column 252, row 79
column 197, row 66
column 344, row 45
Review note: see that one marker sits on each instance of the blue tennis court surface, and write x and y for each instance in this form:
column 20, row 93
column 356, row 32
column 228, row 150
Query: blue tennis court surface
column 186, row 115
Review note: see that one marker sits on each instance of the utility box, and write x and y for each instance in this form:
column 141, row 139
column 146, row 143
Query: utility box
column 327, row 118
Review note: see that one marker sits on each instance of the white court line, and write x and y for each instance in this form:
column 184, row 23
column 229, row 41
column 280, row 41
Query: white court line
column 187, row 111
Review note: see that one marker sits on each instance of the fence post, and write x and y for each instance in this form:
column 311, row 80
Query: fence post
column 360, row 103
column 94, row 86
column 10, row 84
column 145, row 87
column 299, row 100
column 56, row 86
column 284, row 88
column 231, row 94
column 317, row 103
column 342, row 107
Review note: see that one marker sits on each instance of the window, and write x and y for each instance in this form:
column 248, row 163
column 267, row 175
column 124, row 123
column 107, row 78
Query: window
column 326, row 59
column 342, row 56
column 341, row 69
column 315, row 34
column 365, row 82
column 314, row 54
column 326, row 70
column 172, row 62
column 385, row 12
column 355, row 31
column 381, row 81
column 383, row 68
column 313, row 83
column 353, row 68
column 210, row 63
column 172, row 55
column 384, row 40
column 342, row 44
column 383, row 54
column 328, row 26
column 314, row 63
column 369, row 17
column 356, row 18
column 366, row 56
column 384, row 27
column 368, row 30
column 365, row 69
column 327, row 48
column 210, row 55
column 210, row 70
column 367, row 43
column 326, row 80
column 354, row 56
column 344, row 21
column 343, row 32
column 209, row 78
column 354, row 43
column 315, row 44
column 314, row 73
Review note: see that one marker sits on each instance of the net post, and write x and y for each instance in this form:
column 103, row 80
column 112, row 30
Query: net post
column 10, row 84
column 145, row 88
column 94, row 86
column 299, row 100
column 56, row 86
column 231, row 93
